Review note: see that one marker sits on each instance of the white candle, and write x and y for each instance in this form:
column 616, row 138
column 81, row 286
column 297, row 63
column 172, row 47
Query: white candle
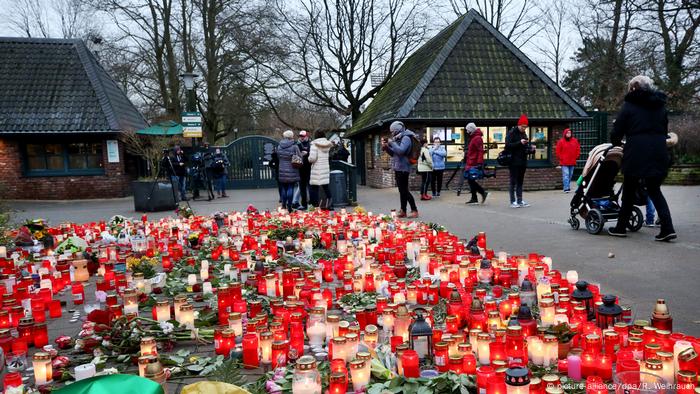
column 131, row 308
column 204, row 274
column 84, row 371
column 191, row 279
column 3, row 252
column 483, row 351
column 42, row 368
column 306, row 386
column 227, row 269
column 535, row 344
column 206, row 288
column 316, row 333
column 572, row 277
column 399, row 298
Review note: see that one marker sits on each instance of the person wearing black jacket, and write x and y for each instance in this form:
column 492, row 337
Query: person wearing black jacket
column 305, row 171
column 518, row 145
column 643, row 124
column 179, row 162
column 275, row 166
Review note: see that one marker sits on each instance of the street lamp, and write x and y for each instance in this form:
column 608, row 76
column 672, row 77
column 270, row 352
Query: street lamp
column 188, row 79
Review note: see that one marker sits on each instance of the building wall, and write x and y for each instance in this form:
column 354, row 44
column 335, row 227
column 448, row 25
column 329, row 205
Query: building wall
column 14, row 185
column 380, row 175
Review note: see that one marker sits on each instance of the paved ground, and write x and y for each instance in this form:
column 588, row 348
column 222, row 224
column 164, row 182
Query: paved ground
column 640, row 272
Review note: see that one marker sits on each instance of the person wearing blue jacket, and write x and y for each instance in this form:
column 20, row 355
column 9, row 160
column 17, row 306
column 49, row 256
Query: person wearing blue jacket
column 399, row 148
column 439, row 154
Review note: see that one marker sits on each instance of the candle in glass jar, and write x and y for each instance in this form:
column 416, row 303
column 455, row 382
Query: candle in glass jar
column 251, row 358
column 191, row 279
column 187, row 316
column 235, row 323
column 266, row 347
column 42, row 368
column 163, row 311
column 409, row 363
column 360, row 377
column 148, row 346
column 535, row 349
column 178, row 301
column 483, row 349
column 667, row 371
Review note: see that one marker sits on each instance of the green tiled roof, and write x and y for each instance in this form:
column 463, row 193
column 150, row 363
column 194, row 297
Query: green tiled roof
column 468, row 71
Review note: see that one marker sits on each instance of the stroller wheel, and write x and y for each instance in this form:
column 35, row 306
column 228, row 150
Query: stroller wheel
column 595, row 221
column 636, row 220
column 574, row 222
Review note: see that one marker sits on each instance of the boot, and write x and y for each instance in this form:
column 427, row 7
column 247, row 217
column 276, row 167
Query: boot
column 414, row 214
column 401, row 214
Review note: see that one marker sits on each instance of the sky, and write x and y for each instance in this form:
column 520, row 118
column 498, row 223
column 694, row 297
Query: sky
column 442, row 16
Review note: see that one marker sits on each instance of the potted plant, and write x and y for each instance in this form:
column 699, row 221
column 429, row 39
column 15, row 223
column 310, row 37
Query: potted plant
column 154, row 192
column 564, row 335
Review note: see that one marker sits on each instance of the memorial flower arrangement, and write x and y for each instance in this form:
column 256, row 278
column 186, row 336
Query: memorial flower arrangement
column 327, row 302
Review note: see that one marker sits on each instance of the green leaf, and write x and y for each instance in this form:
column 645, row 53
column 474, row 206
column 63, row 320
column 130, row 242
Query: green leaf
column 424, row 390
column 183, row 352
column 195, row 368
column 177, row 360
column 122, row 358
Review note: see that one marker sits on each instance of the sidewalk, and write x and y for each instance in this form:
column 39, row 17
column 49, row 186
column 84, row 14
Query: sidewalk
column 641, row 271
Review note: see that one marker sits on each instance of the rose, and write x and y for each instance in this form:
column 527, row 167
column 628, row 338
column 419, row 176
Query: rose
column 60, row 362
column 64, row 342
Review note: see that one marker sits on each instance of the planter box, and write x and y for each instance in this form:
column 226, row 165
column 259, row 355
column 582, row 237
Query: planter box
column 153, row 196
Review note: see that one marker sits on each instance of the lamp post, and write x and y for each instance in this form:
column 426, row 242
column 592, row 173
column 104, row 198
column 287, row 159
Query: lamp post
column 188, row 79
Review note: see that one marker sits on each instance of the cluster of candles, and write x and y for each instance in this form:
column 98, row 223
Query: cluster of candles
column 489, row 330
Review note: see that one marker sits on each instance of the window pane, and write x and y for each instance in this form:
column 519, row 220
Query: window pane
column 539, row 138
column 455, row 153
column 496, row 141
column 84, row 156
column 55, row 163
column 76, row 156
column 35, row 157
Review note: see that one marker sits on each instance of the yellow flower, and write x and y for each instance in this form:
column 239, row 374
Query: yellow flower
column 38, row 235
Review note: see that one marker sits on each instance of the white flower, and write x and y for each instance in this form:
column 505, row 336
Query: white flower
column 167, row 327
column 106, row 343
column 196, row 314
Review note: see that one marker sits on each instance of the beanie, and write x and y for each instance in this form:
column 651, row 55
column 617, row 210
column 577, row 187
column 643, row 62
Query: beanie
column 396, row 127
column 471, row 127
column 523, row 120
column 288, row 134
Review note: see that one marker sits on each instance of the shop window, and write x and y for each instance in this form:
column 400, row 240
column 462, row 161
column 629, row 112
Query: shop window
column 83, row 158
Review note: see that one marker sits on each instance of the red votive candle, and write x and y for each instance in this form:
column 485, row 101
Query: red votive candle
column 12, row 379
column 588, row 364
column 396, row 340
column 563, row 366
column 409, row 362
column 251, row 357
column 595, row 385
column 19, row 345
column 55, row 309
column 41, row 335
column 338, row 383
column 604, row 368
column 39, row 313
column 497, row 351
column 483, row 373
column 469, row 364
column 496, row 385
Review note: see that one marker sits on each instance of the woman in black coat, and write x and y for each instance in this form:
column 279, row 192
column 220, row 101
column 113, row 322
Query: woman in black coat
column 643, row 123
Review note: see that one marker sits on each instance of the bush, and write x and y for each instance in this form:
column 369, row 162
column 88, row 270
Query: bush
column 687, row 126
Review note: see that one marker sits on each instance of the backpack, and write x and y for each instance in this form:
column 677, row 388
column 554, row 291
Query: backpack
column 414, row 153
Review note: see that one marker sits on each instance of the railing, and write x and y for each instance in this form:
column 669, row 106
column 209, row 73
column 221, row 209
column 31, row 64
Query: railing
column 350, row 171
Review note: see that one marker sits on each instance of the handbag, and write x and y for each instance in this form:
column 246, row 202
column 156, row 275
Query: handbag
column 297, row 162
column 504, row 158
column 474, row 173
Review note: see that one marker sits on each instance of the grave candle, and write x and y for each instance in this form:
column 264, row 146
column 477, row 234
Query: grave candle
column 409, row 363
column 163, row 311
column 42, row 368
column 360, row 377
column 251, row 357
column 148, row 346
column 187, row 316
column 266, row 347
column 84, row 371
column 235, row 323
column 483, row 350
column 178, row 301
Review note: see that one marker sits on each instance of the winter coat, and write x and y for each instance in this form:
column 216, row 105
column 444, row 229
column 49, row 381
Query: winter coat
column 643, row 123
column 305, row 146
column 320, row 163
column 285, row 150
column 475, row 150
column 439, row 154
column 518, row 151
column 568, row 151
column 399, row 148
column 425, row 160
column 339, row 152
column 179, row 165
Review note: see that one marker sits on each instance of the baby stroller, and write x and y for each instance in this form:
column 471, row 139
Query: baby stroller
column 595, row 199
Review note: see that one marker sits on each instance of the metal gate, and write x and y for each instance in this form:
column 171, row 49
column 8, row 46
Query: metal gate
column 590, row 133
column 249, row 157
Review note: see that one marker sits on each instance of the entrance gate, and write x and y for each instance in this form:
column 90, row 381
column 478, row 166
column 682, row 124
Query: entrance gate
column 249, row 157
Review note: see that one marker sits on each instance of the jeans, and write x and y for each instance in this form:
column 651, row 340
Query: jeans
column 475, row 187
column 220, row 184
column 314, row 195
column 180, row 182
column 304, row 175
column 424, row 182
column 566, row 173
column 517, row 176
column 287, row 194
column 436, row 181
column 629, row 188
column 650, row 211
column 404, row 194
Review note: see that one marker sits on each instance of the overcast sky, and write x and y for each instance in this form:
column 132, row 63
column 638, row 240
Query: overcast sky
column 441, row 18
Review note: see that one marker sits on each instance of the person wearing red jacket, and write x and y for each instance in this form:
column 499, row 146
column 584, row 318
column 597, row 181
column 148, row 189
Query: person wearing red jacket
column 474, row 163
column 568, row 150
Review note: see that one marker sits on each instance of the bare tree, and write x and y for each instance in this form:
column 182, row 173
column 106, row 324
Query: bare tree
column 555, row 44
column 518, row 20
column 671, row 28
column 332, row 49
column 57, row 19
column 146, row 31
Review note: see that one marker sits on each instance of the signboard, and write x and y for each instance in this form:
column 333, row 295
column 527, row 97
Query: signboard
column 192, row 125
column 112, row 151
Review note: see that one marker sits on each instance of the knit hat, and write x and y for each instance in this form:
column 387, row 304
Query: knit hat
column 302, row 133
column 471, row 127
column 288, row 134
column 523, row 120
column 396, row 127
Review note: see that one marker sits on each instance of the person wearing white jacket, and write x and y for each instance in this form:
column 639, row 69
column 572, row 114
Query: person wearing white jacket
column 320, row 170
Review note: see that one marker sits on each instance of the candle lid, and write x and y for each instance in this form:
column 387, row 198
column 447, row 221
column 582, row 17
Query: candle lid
column 456, row 359
column 357, row 364
column 352, row 337
column 687, row 354
column 550, row 338
column 265, row 335
column 363, row 356
column 148, row 340
column 339, row 340
column 337, row 377
column 687, row 375
column 279, row 345
column 333, row 318
column 554, row 390
column 550, row 378
column 518, row 376
column 41, row 356
column 234, row 316
column 483, row 336
column 186, row 307
column 653, row 364
column 441, row 345
column 306, row 363
column 664, row 356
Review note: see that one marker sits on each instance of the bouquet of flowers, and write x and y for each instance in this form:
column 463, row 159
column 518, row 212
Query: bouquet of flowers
column 184, row 211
